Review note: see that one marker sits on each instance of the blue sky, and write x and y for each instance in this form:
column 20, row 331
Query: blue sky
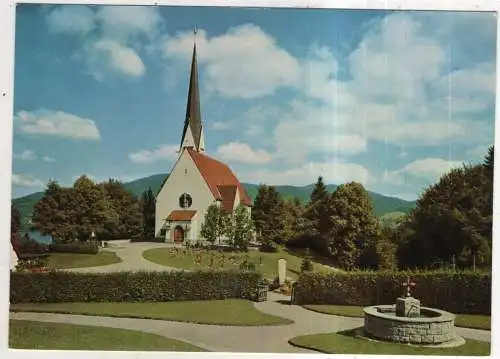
column 389, row 99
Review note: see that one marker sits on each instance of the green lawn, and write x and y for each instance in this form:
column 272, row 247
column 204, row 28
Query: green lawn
column 266, row 263
column 224, row 312
column 346, row 343
column 475, row 321
column 74, row 260
column 25, row 334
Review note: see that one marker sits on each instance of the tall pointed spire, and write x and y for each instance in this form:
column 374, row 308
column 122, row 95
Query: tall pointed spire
column 192, row 134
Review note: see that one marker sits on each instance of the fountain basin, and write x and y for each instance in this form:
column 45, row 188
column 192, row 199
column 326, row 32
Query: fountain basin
column 431, row 326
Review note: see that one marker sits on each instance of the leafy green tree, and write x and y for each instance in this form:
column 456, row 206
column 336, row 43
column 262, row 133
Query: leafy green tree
column 452, row 218
column 489, row 160
column 354, row 227
column 385, row 250
column 316, row 214
column 148, row 205
column 94, row 212
column 213, row 226
column 240, row 229
column 53, row 213
column 268, row 215
column 124, row 206
column 294, row 223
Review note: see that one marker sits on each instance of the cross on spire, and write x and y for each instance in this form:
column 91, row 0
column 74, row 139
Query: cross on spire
column 408, row 285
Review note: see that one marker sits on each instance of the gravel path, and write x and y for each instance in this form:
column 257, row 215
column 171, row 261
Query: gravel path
column 132, row 259
column 266, row 339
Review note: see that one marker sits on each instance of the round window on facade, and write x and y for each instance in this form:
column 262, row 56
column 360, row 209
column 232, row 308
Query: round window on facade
column 185, row 200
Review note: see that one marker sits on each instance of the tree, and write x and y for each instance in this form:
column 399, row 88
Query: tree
column 240, row 229
column 125, row 208
column 213, row 226
column 316, row 211
column 53, row 213
column 354, row 227
column 267, row 215
column 385, row 250
column 452, row 218
column 148, row 204
column 94, row 212
column 293, row 218
column 489, row 160
column 15, row 219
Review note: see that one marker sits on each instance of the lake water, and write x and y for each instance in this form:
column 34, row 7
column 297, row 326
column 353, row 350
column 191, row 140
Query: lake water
column 37, row 236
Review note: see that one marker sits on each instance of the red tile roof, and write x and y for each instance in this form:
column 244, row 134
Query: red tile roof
column 179, row 215
column 228, row 194
column 218, row 174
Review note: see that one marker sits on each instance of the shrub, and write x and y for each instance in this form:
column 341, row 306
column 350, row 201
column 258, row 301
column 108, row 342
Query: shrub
column 74, row 247
column 164, row 286
column 457, row 292
column 148, row 239
column 306, row 265
column 27, row 245
column 315, row 242
column 268, row 247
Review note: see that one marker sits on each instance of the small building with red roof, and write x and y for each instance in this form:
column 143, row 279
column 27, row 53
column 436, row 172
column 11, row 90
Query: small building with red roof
column 196, row 180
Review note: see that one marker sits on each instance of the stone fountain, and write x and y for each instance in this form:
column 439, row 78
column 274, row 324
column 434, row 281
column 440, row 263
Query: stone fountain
column 408, row 322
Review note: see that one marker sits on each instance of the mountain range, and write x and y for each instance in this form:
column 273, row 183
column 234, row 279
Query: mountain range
column 382, row 205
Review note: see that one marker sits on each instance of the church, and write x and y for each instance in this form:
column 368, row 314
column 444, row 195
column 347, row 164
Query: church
column 196, row 180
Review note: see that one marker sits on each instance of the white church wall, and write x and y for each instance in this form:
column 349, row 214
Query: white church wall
column 184, row 178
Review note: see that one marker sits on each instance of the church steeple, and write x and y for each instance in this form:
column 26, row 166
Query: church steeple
column 192, row 134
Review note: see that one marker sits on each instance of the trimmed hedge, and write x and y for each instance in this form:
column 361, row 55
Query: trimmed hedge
column 148, row 239
column 457, row 292
column 75, row 247
column 54, row 287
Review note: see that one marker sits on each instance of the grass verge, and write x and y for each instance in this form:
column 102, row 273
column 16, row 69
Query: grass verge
column 74, row 260
column 237, row 312
column 473, row 321
column 25, row 334
column 346, row 343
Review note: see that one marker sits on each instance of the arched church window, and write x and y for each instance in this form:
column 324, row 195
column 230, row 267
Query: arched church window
column 185, row 200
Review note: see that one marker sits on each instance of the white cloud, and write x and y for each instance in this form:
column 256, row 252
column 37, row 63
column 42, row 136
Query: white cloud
column 389, row 63
column 22, row 180
column 334, row 172
column 48, row 159
column 123, row 22
column 220, row 126
column 120, row 32
column 26, row 155
column 429, row 169
column 241, row 152
column 244, row 62
column 73, row 19
column 57, row 124
column 107, row 55
column 163, row 152
column 394, row 95
column 311, row 129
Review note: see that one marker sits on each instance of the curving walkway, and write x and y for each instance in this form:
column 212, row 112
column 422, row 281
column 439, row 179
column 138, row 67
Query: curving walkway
column 131, row 256
column 265, row 339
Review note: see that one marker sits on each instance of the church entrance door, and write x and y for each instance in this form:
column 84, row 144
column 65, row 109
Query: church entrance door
column 178, row 234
